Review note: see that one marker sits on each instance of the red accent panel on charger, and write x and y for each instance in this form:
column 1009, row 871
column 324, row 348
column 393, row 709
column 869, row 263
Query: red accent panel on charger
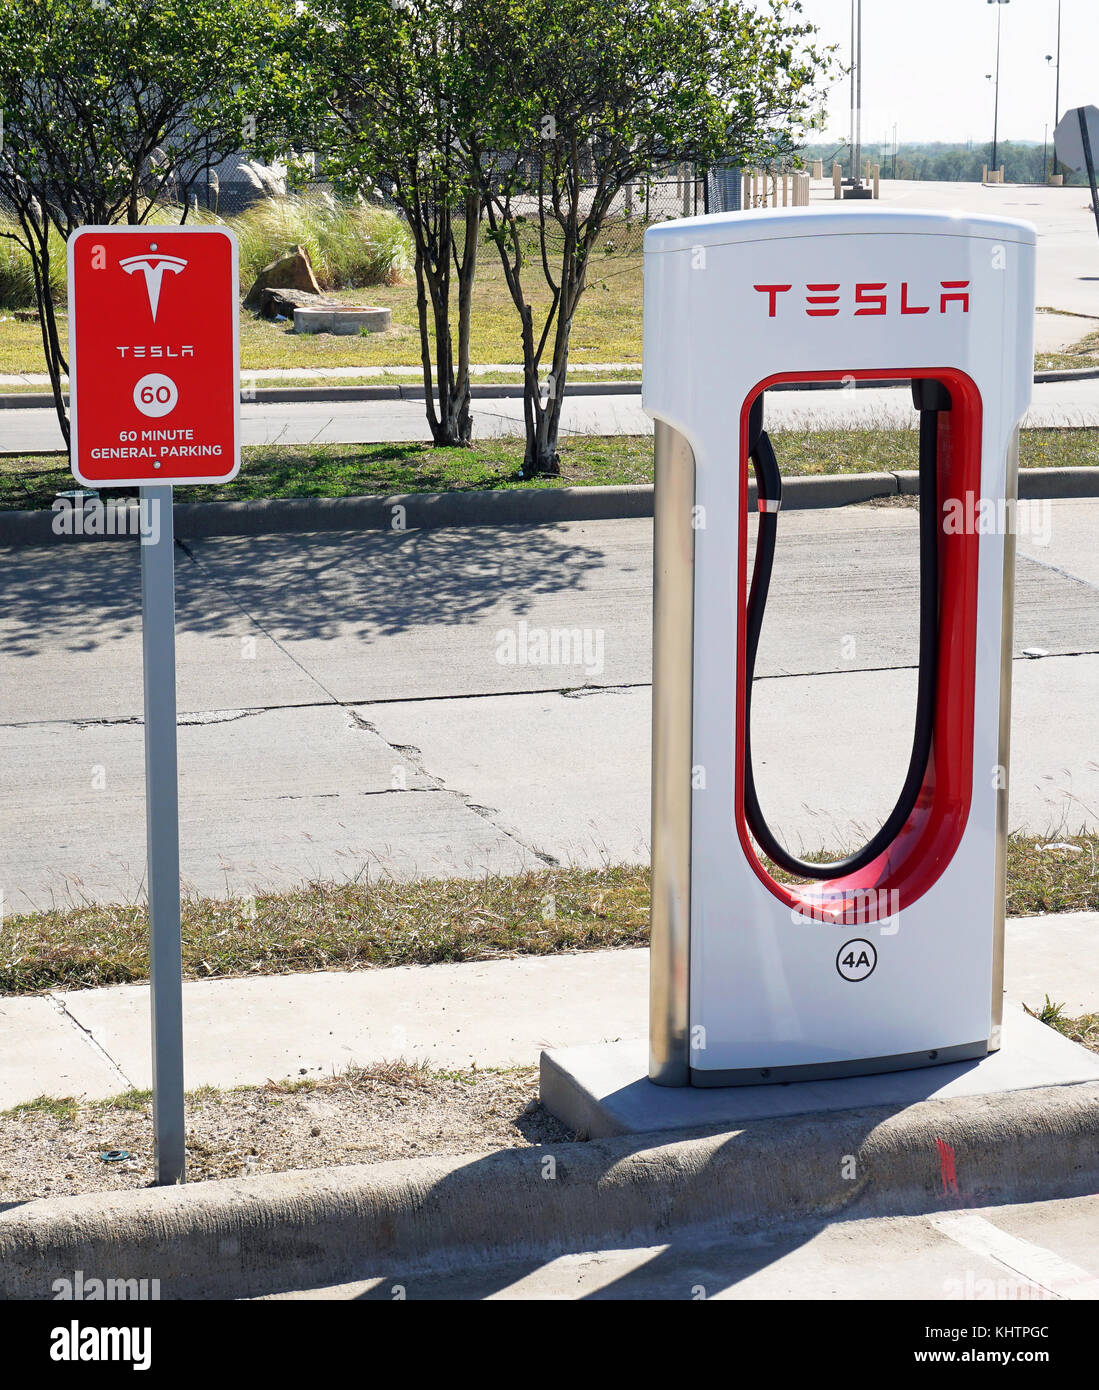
column 927, row 843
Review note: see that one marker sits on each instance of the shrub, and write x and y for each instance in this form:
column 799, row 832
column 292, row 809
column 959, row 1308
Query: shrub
column 349, row 244
column 17, row 278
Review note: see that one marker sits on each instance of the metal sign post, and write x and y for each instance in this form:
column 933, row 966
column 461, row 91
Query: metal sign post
column 158, row 650
column 1085, row 140
column 1075, row 143
column 154, row 353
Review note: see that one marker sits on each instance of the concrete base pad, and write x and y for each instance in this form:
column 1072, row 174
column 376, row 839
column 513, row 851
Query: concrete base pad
column 604, row 1090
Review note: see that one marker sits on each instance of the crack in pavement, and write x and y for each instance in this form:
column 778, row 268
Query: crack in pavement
column 239, row 606
column 414, row 755
column 1059, row 569
column 197, row 718
column 89, row 1037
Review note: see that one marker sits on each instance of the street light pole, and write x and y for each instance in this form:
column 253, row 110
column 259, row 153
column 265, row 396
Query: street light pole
column 858, row 101
column 856, row 189
column 853, row 64
column 996, row 100
column 1057, row 84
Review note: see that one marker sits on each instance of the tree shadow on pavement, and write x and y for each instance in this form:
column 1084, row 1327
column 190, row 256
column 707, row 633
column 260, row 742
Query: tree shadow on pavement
column 82, row 596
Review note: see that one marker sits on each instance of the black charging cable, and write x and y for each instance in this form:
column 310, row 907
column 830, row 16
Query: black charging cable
column 929, row 397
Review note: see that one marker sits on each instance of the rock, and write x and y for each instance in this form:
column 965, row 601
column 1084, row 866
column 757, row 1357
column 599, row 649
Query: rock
column 273, row 303
column 293, row 270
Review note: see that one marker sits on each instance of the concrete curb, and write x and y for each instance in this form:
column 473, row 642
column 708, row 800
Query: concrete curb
column 513, row 507
column 276, row 395
column 1034, row 483
column 248, row 1236
column 421, row 510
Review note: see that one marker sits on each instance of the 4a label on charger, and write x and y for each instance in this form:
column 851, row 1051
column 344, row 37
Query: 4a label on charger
column 855, row 960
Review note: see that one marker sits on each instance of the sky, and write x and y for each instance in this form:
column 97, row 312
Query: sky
column 924, row 64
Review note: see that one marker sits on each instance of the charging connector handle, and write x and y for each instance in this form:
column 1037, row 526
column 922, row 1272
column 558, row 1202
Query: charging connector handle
column 929, row 397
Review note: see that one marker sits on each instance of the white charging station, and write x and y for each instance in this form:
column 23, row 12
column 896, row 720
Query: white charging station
column 897, row 962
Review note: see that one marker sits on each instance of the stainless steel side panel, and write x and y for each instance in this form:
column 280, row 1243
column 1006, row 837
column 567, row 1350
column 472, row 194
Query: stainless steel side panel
column 673, row 663
column 1007, row 642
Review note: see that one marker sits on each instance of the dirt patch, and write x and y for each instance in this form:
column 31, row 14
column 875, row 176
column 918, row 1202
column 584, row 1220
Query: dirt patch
column 54, row 1148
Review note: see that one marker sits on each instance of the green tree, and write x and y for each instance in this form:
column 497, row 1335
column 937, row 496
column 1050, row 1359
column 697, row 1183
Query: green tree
column 113, row 109
column 581, row 98
column 391, row 101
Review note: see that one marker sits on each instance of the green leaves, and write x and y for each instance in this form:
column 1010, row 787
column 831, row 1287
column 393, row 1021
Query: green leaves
column 91, row 91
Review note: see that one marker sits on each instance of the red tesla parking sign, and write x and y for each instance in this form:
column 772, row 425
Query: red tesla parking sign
column 154, row 355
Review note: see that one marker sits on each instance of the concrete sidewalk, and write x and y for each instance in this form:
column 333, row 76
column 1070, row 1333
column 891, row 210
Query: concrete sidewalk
column 491, row 1013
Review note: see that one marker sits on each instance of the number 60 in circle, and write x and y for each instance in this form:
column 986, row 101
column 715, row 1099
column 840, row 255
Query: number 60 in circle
column 156, row 395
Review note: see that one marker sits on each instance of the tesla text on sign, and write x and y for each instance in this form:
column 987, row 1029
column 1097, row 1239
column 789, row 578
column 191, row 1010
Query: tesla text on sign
column 153, row 355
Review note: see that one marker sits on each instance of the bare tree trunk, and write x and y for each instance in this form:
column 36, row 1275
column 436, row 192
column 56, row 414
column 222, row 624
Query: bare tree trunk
column 37, row 246
column 425, row 340
column 451, row 423
column 467, row 269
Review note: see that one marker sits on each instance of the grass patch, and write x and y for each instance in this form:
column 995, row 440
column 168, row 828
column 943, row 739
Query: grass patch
column 132, row 1099
column 353, row 470
column 424, row 922
column 1085, row 353
column 63, row 1109
column 1052, row 880
column 1083, row 1030
column 607, row 326
column 328, row 927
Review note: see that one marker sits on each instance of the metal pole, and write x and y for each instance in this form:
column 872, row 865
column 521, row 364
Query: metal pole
column 858, row 101
column 996, row 99
column 851, row 139
column 1057, row 84
column 158, row 646
column 1089, row 161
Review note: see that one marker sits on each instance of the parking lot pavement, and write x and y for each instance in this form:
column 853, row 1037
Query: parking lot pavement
column 381, row 703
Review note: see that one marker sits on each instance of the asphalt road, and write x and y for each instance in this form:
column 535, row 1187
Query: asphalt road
column 379, row 421
column 351, row 703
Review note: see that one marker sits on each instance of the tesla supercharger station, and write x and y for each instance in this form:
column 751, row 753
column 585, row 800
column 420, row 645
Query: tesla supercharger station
column 893, row 957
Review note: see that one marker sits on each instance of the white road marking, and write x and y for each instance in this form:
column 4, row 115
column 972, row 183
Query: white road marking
column 1033, row 1262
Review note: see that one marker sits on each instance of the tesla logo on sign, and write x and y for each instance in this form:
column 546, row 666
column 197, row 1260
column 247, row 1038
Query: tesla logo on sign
column 870, row 297
column 153, row 355
column 153, row 268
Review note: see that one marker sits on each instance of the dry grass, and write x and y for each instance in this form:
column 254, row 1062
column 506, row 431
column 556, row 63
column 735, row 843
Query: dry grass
column 336, row 927
column 1085, row 353
column 424, row 922
column 52, row 1147
column 607, row 327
